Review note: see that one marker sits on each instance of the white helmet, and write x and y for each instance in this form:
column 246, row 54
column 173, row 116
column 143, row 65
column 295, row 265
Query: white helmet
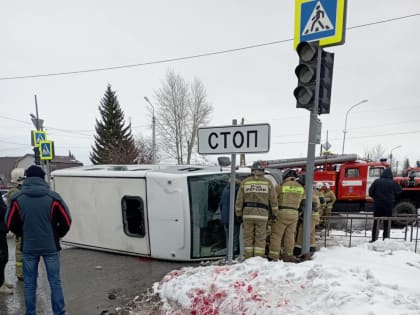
column 17, row 175
column 318, row 185
column 327, row 186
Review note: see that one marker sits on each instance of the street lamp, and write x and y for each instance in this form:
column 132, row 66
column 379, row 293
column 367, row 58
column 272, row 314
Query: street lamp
column 345, row 122
column 153, row 128
column 390, row 154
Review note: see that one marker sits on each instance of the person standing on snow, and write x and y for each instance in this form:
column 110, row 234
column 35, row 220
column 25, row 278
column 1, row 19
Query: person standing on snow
column 5, row 288
column 320, row 195
column 290, row 194
column 17, row 176
column 256, row 197
column 383, row 191
column 41, row 218
column 329, row 198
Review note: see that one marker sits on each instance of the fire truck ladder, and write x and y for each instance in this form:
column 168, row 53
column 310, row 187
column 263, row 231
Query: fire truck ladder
column 319, row 160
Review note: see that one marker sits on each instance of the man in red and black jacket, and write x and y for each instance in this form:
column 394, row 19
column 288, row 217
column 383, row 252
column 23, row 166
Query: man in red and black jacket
column 41, row 217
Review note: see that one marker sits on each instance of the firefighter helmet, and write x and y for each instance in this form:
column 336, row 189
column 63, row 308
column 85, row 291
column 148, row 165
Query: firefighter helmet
column 257, row 166
column 319, row 185
column 327, row 186
column 17, row 175
column 289, row 173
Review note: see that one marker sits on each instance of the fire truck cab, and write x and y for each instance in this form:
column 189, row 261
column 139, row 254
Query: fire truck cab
column 350, row 182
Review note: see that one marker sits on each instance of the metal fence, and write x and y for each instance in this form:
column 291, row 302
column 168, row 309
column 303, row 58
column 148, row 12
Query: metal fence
column 350, row 222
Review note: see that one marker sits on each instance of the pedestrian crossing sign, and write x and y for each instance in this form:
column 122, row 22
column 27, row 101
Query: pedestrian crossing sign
column 320, row 20
column 37, row 137
column 46, row 150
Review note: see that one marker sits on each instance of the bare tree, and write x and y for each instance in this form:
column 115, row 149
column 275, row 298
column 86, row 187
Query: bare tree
column 375, row 153
column 145, row 150
column 182, row 109
column 199, row 111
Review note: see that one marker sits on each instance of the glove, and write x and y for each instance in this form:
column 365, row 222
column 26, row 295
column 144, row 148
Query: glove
column 302, row 206
column 239, row 219
column 300, row 217
column 322, row 200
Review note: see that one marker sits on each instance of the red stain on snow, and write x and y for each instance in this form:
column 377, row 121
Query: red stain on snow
column 249, row 289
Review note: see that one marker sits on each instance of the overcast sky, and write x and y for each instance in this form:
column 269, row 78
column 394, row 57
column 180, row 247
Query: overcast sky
column 379, row 62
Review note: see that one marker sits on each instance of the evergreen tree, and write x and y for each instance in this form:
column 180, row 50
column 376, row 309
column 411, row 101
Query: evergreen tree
column 71, row 155
column 114, row 143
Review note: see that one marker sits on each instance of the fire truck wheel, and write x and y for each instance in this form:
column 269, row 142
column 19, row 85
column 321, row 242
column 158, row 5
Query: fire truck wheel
column 403, row 208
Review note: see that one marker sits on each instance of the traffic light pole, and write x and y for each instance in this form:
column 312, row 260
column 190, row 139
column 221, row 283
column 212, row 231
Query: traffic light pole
column 310, row 166
column 230, row 248
column 39, row 126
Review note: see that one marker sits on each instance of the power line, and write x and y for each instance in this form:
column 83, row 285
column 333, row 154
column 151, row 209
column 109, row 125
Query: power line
column 21, row 121
column 360, row 137
column 218, row 52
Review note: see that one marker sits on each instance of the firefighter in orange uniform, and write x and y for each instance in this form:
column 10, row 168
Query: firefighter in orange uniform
column 290, row 194
column 256, row 196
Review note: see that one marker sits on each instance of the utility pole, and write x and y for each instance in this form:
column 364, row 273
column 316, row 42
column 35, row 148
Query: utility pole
column 242, row 162
column 38, row 123
column 153, row 130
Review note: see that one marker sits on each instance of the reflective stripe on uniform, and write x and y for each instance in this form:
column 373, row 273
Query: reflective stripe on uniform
column 254, row 216
column 288, row 210
column 19, row 264
column 292, row 189
column 258, row 251
column 256, row 182
column 248, row 251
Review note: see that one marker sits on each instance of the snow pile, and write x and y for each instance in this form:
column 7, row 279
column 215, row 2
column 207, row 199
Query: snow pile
column 378, row 278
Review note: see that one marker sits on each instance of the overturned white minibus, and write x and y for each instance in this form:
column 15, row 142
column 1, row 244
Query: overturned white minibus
column 161, row 211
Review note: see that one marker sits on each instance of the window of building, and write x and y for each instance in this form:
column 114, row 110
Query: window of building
column 133, row 216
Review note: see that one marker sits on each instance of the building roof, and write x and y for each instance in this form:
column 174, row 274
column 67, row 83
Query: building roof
column 8, row 163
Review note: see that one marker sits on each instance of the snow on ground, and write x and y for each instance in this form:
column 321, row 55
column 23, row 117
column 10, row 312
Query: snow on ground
column 377, row 278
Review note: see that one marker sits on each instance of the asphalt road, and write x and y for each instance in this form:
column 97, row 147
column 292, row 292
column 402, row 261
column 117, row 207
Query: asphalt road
column 93, row 282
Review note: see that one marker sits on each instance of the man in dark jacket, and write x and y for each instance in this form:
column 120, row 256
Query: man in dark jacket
column 41, row 217
column 4, row 251
column 383, row 191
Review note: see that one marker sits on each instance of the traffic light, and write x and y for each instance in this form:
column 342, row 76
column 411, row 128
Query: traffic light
column 325, row 87
column 306, row 74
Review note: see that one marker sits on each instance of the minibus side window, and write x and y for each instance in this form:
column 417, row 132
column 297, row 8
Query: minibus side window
column 133, row 216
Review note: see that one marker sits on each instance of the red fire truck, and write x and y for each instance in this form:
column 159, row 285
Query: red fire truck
column 350, row 179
